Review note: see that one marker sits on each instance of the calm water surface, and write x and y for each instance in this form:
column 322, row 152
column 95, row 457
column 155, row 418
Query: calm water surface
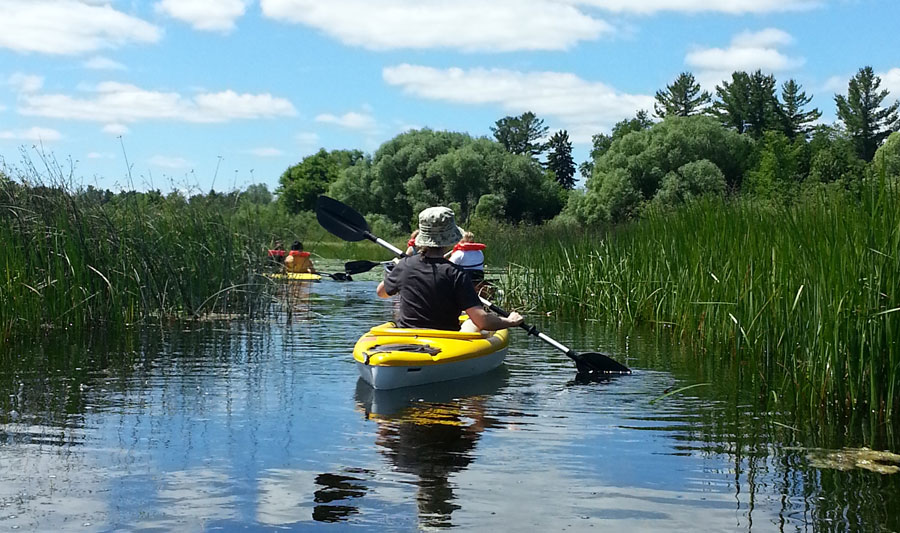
column 263, row 426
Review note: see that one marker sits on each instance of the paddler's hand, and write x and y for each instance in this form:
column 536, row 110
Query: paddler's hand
column 515, row 319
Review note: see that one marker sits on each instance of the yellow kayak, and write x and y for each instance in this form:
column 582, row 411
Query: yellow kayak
column 295, row 276
column 389, row 357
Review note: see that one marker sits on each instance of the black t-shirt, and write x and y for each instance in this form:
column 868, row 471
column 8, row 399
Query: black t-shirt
column 433, row 292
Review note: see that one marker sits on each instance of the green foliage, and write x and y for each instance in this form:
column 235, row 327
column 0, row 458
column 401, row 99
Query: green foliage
column 776, row 173
column 632, row 169
column 682, row 98
column 399, row 160
column 521, row 134
column 491, row 207
column 887, row 157
column 601, row 142
column 560, row 161
column 802, row 297
column 867, row 123
column 833, row 159
column 302, row 183
column 797, row 122
column 689, row 182
column 748, row 103
column 257, row 194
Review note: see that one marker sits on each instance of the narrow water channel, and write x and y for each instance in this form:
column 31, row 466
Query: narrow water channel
column 263, row 426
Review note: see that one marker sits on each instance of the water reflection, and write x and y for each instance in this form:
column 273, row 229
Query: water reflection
column 431, row 432
column 263, row 425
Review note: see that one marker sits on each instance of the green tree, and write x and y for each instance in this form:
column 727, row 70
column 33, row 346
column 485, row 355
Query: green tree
column 689, row 181
column 521, row 134
column 833, row 158
column 777, row 169
column 797, row 122
column 601, row 142
column 681, row 98
column 631, row 171
column 867, row 123
column 560, row 161
column 401, row 159
column 887, row 157
column 257, row 194
column 748, row 103
column 302, row 183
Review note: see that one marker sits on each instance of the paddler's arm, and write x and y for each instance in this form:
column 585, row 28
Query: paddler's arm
column 490, row 321
column 381, row 291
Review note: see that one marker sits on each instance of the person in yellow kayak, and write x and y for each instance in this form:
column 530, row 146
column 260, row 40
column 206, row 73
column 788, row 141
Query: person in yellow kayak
column 469, row 255
column 297, row 261
column 433, row 291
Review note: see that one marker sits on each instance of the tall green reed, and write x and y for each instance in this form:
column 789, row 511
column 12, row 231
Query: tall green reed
column 803, row 297
column 73, row 260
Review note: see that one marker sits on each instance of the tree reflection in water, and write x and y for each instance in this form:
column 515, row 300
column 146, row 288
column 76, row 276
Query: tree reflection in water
column 431, row 432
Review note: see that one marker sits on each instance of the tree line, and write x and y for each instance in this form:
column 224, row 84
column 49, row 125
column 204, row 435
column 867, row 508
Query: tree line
column 751, row 137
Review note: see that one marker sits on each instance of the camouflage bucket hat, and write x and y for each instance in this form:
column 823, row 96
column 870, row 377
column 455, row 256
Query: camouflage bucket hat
column 437, row 228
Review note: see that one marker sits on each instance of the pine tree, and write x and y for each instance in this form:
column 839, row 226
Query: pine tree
column 796, row 120
column 682, row 98
column 559, row 159
column 521, row 134
column 748, row 104
column 867, row 123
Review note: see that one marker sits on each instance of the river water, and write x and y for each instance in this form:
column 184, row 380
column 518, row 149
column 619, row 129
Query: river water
column 230, row 425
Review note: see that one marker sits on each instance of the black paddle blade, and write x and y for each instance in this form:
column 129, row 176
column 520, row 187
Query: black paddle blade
column 358, row 267
column 598, row 362
column 340, row 220
column 340, row 276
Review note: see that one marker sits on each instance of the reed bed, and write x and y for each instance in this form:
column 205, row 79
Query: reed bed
column 75, row 260
column 804, row 298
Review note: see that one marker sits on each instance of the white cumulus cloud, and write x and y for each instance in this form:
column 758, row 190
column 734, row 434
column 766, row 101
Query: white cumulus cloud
column 350, row 120
column 103, row 63
column 748, row 51
column 69, row 27
column 206, row 15
column 25, row 83
column 120, row 103
column 33, row 134
column 581, row 106
column 890, row 80
column 733, row 7
column 470, row 25
column 116, row 129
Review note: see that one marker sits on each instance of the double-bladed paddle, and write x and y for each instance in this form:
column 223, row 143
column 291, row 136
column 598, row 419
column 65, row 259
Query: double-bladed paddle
column 344, row 222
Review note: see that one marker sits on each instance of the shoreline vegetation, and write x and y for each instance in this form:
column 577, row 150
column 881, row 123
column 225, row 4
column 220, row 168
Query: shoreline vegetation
column 801, row 297
column 753, row 235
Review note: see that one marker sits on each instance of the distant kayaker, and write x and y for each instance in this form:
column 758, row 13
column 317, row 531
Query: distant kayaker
column 298, row 261
column 469, row 256
column 277, row 253
column 433, row 291
column 411, row 243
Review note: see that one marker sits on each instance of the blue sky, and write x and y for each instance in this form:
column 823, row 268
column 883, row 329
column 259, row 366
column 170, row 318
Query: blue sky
column 224, row 93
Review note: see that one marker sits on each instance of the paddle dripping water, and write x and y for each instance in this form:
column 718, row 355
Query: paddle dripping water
column 344, row 222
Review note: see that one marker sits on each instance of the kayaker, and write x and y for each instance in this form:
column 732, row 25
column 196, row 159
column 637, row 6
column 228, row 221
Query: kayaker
column 433, row 291
column 411, row 243
column 468, row 254
column 298, row 261
column 277, row 254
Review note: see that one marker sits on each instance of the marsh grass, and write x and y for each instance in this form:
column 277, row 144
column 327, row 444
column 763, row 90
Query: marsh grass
column 802, row 298
column 72, row 260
